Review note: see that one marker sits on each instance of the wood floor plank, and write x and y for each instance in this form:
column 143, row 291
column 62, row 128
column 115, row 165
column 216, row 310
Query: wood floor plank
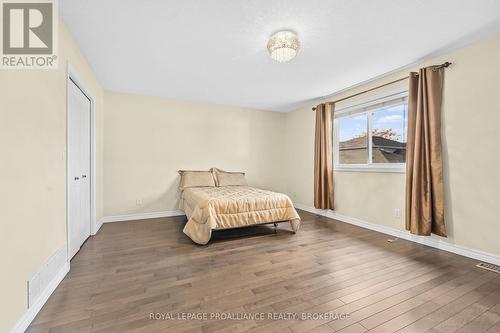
column 469, row 313
column 484, row 294
column 355, row 328
column 484, row 322
column 132, row 270
column 416, row 312
column 378, row 312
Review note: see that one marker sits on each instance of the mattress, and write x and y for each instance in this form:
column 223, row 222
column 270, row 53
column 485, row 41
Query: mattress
column 213, row 208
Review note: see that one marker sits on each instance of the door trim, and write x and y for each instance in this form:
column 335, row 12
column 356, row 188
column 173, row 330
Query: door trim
column 72, row 75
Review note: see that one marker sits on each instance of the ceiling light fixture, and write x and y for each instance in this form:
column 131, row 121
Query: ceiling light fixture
column 283, row 45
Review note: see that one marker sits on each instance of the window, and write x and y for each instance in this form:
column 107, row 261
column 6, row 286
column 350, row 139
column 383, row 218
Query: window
column 372, row 136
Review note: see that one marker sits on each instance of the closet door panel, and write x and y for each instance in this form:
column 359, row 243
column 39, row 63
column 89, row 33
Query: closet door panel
column 85, row 171
column 78, row 168
column 73, row 172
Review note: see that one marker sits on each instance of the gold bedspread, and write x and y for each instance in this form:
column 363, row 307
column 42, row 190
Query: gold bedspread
column 209, row 208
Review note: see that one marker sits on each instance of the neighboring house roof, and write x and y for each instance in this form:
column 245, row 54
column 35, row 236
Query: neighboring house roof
column 377, row 142
column 381, row 142
column 381, row 156
column 355, row 151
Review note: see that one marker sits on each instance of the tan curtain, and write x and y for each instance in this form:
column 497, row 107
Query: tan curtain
column 424, row 164
column 323, row 164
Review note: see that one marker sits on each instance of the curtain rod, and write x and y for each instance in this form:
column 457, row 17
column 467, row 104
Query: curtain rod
column 443, row 65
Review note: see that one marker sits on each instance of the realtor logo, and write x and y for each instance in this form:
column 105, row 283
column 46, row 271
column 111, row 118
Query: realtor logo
column 28, row 34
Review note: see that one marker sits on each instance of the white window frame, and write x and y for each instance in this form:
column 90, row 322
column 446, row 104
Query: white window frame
column 352, row 110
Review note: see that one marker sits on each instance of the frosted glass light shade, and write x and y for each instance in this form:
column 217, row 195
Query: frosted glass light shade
column 283, row 46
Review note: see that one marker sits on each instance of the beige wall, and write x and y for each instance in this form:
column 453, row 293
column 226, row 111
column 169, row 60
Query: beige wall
column 33, row 171
column 471, row 114
column 147, row 139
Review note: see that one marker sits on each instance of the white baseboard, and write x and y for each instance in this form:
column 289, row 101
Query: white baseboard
column 403, row 234
column 47, row 279
column 142, row 216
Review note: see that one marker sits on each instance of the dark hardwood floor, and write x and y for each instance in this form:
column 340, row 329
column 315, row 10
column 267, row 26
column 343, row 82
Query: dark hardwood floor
column 350, row 279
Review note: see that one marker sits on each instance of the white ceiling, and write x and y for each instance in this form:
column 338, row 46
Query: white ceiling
column 215, row 50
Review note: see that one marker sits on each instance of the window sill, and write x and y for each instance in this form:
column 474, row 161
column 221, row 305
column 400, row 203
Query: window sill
column 375, row 169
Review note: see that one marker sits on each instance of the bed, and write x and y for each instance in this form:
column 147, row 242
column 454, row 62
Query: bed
column 211, row 208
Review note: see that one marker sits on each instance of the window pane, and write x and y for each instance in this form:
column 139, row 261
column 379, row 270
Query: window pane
column 389, row 127
column 353, row 141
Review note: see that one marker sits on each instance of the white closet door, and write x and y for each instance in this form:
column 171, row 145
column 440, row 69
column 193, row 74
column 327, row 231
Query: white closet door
column 85, row 170
column 78, row 168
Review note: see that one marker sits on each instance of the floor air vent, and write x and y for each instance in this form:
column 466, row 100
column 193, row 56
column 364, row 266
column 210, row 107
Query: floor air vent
column 490, row 267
